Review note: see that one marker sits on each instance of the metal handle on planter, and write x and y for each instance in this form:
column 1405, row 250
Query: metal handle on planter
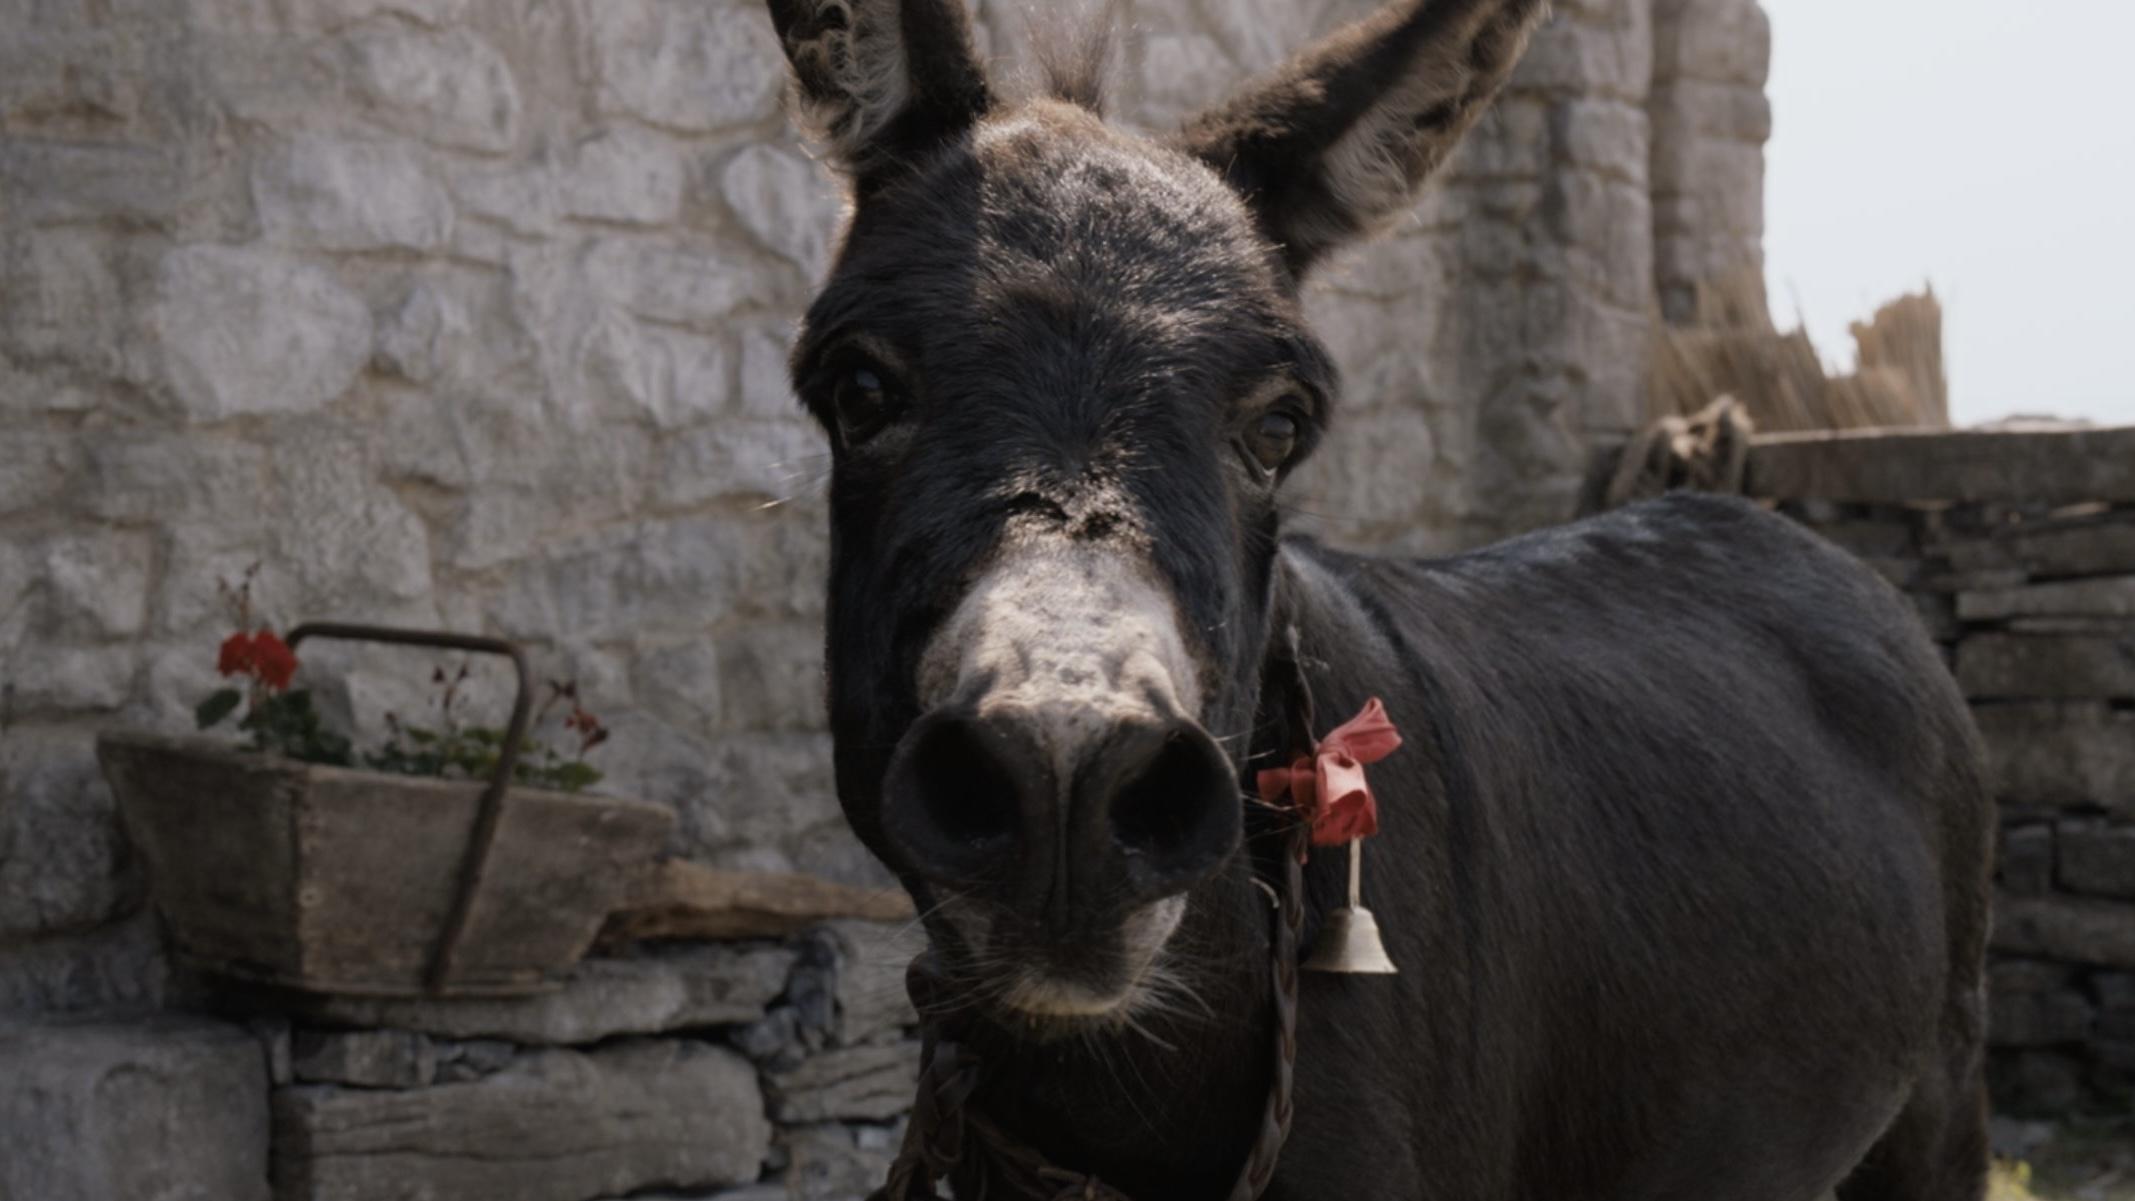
column 484, row 835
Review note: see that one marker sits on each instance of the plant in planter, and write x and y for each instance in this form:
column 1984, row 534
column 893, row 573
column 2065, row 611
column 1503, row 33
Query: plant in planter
column 454, row 859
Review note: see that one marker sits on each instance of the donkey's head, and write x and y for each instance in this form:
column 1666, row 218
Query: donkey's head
column 1064, row 373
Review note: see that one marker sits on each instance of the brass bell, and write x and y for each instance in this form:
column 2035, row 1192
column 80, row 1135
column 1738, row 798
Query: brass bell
column 1348, row 942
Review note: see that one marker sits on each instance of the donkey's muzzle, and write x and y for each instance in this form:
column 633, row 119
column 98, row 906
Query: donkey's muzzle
column 1061, row 829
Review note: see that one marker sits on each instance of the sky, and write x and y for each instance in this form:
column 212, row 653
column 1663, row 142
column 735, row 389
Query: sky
column 1981, row 146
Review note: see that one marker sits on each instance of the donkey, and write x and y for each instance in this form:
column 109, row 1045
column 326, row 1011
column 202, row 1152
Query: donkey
column 1685, row 859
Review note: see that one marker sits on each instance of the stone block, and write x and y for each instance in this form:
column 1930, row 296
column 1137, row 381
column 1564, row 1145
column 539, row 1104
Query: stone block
column 2102, row 597
column 2113, row 990
column 683, row 281
column 336, row 194
column 99, row 582
column 870, row 1084
column 2076, row 929
column 2060, row 755
column 837, row 1163
column 553, row 1126
column 665, row 990
column 2101, row 544
column 52, row 679
column 786, row 202
column 693, row 67
column 249, row 331
column 2023, row 864
column 2035, row 1083
column 2008, row 976
column 778, row 667
column 363, row 1058
column 2040, row 1019
column 35, row 468
column 2097, row 859
column 161, row 1109
column 63, row 299
column 2039, row 667
column 63, row 860
column 448, row 86
column 119, row 967
column 623, row 175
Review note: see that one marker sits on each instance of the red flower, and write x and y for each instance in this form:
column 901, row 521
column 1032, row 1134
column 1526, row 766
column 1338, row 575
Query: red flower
column 262, row 655
column 272, row 660
column 236, row 656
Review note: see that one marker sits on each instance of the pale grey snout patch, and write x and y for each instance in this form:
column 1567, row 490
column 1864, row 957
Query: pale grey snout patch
column 1027, row 987
column 1073, row 639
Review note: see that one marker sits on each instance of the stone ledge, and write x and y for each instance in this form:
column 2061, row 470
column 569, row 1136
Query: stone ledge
column 1904, row 466
column 690, row 988
column 554, row 1126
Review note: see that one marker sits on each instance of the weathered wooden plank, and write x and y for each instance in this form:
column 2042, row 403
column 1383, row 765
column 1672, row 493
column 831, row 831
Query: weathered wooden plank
column 683, row 900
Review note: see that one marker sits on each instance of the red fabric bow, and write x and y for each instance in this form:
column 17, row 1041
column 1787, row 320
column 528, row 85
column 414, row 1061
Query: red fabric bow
column 1328, row 786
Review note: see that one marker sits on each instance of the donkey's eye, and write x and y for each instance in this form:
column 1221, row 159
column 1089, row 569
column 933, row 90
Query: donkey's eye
column 1274, row 439
column 864, row 405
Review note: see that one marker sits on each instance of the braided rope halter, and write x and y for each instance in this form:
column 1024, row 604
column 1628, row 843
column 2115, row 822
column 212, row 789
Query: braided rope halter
column 945, row 1132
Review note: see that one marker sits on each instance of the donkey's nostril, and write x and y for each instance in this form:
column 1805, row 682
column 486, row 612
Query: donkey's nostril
column 964, row 790
column 1177, row 808
column 955, row 795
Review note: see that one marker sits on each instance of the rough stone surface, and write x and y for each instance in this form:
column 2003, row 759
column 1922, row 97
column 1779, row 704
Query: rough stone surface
column 553, row 1126
column 2061, row 754
column 2069, row 928
column 686, row 988
column 2040, row 1019
column 244, row 331
column 363, row 1058
column 872, row 1083
column 2097, row 859
column 2023, row 667
column 165, row 1109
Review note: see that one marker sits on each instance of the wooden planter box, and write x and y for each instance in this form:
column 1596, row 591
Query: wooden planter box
column 332, row 880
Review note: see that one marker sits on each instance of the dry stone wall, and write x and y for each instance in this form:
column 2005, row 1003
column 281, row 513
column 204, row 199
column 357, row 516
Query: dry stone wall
column 474, row 315
column 2019, row 551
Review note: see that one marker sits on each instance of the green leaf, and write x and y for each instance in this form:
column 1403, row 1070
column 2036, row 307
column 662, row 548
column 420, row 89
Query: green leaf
column 217, row 707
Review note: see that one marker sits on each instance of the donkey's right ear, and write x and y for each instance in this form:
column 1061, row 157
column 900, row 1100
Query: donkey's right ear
column 881, row 82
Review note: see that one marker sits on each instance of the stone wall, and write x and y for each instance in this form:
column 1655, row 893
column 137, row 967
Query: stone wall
column 2019, row 550
column 745, row 1072
column 473, row 315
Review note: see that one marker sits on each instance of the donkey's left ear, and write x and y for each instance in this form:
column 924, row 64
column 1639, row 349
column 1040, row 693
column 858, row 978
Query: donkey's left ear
column 882, row 81
column 1337, row 141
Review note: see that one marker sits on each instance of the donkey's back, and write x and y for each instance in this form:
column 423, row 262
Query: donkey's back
column 1699, row 859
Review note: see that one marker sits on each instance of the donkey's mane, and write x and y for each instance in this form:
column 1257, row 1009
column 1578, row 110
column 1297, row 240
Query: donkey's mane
column 1071, row 51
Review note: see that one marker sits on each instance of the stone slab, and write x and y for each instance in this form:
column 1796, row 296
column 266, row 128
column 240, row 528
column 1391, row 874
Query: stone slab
column 2023, row 862
column 2098, row 544
column 2041, row 667
column 2096, row 859
column 682, row 988
column 1894, row 466
column 2102, row 597
column 2060, row 755
column 2043, row 1019
column 851, row 1083
column 553, row 1126
column 161, row 1109
column 363, row 1058
column 2071, row 928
